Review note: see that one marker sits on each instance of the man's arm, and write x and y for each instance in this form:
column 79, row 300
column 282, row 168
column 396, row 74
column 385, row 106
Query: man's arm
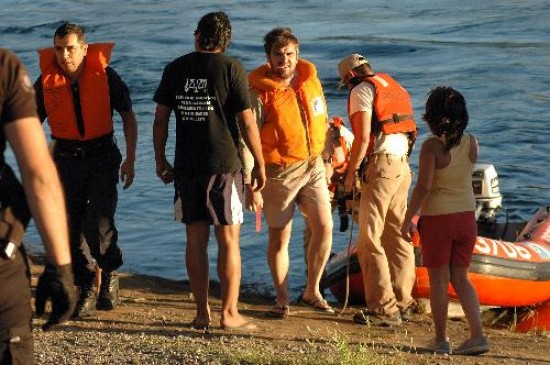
column 362, row 122
column 39, row 97
column 426, row 172
column 251, row 137
column 121, row 101
column 246, row 155
column 253, row 198
column 160, row 136
column 328, row 150
column 129, row 124
column 42, row 187
column 44, row 196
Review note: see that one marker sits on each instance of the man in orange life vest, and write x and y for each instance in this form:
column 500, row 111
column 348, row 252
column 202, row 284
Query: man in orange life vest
column 382, row 121
column 77, row 93
column 290, row 108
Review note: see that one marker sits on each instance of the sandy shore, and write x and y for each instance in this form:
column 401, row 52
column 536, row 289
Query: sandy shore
column 152, row 326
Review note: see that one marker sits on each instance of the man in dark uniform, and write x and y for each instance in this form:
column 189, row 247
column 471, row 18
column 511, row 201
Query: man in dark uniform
column 208, row 92
column 21, row 128
column 77, row 93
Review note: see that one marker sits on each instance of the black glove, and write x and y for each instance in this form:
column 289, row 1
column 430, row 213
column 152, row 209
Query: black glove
column 57, row 284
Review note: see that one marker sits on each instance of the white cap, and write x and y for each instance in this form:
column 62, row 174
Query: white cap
column 348, row 63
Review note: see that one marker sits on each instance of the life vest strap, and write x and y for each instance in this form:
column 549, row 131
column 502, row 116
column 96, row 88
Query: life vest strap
column 396, row 118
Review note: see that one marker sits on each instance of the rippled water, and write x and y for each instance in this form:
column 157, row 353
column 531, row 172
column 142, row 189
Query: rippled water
column 496, row 52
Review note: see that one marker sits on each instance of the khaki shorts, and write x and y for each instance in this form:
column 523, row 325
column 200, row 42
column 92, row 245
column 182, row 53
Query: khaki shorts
column 282, row 195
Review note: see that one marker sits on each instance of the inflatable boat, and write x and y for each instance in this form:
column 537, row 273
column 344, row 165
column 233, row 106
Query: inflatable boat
column 510, row 265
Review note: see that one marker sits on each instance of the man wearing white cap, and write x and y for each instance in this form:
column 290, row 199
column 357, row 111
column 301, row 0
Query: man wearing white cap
column 382, row 121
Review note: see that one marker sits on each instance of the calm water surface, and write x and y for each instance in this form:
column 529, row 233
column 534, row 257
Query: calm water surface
column 496, row 52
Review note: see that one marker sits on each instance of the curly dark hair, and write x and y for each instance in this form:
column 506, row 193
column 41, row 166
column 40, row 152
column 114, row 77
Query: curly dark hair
column 279, row 37
column 214, row 31
column 70, row 28
column 446, row 115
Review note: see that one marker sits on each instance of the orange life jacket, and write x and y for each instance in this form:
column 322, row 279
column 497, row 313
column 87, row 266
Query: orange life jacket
column 94, row 94
column 286, row 137
column 393, row 112
column 340, row 147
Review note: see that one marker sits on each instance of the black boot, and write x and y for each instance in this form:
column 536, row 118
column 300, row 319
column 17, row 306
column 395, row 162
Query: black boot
column 85, row 307
column 108, row 293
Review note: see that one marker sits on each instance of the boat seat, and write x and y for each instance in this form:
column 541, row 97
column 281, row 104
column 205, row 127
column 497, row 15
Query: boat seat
column 501, row 231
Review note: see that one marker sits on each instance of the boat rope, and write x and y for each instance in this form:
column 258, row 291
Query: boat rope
column 348, row 264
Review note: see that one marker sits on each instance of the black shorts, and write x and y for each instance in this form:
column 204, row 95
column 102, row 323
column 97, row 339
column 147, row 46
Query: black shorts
column 217, row 199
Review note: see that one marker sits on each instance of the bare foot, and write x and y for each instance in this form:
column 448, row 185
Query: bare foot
column 238, row 323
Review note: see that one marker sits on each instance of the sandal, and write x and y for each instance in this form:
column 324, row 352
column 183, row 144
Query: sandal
column 279, row 311
column 320, row 305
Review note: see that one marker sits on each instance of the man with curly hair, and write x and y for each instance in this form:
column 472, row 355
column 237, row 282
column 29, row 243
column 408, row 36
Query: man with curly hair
column 208, row 92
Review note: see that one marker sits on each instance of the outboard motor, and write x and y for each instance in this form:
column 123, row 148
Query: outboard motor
column 486, row 192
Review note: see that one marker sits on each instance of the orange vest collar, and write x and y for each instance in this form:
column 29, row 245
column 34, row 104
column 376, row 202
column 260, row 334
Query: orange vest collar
column 94, row 95
column 306, row 71
column 97, row 58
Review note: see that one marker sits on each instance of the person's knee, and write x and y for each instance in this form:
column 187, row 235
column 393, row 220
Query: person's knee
column 362, row 248
column 276, row 244
column 439, row 276
column 322, row 227
column 439, row 281
column 321, row 243
column 459, row 276
column 105, row 224
column 326, row 226
column 112, row 259
column 279, row 236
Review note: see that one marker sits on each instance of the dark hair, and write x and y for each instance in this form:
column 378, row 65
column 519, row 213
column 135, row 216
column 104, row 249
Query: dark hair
column 279, row 37
column 446, row 114
column 70, row 28
column 361, row 72
column 214, row 30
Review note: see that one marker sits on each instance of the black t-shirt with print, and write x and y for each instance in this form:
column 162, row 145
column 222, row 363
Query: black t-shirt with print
column 206, row 91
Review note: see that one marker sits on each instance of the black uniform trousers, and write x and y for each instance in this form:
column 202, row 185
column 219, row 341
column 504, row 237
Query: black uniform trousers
column 89, row 172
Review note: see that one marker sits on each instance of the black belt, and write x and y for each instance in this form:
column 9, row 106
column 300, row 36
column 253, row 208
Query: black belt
column 84, row 149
